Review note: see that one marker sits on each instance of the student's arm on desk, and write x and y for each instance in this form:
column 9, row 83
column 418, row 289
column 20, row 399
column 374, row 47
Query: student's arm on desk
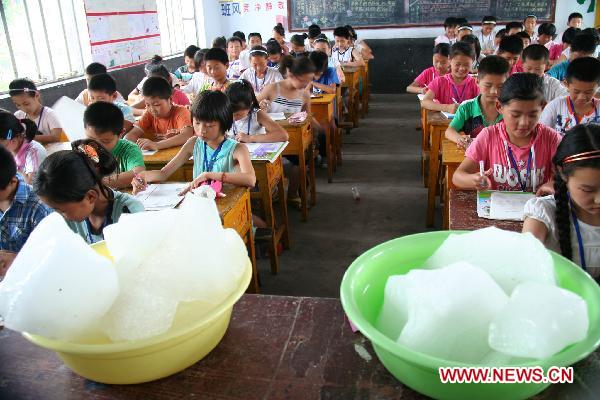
column 429, row 104
column 415, row 88
column 53, row 137
column 454, row 136
column 467, row 176
column 266, row 96
column 245, row 177
column 123, row 179
column 536, row 228
column 358, row 60
column 274, row 131
column 329, row 89
column 177, row 140
column 163, row 174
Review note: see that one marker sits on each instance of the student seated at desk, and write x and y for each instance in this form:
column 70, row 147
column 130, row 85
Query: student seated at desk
column 579, row 106
column 254, row 39
column 584, row 45
column 234, row 48
column 325, row 79
column 162, row 119
column 510, row 49
column 545, row 37
column 20, row 210
column 186, row 71
column 359, row 44
column 137, row 91
column 102, row 87
column 474, row 42
column 217, row 62
column 474, row 115
column 298, row 48
column 17, row 136
column 260, row 74
column 279, row 36
column 450, row 27
column 441, row 66
column 27, row 99
column 104, row 124
column 275, row 53
column 486, row 34
column 314, row 31
column 215, row 156
column 343, row 53
column 322, row 44
column 199, row 77
column 517, row 152
column 535, row 60
column 446, row 92
column 179, row 98
column 250, row 123
column 568, row 222
column 71, row 182
column 92, row 69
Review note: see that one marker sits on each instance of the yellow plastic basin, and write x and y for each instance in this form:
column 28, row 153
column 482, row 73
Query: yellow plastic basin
column 197, row 329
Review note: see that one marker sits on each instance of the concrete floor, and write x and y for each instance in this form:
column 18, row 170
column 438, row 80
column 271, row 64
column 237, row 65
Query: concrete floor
column 382, row 159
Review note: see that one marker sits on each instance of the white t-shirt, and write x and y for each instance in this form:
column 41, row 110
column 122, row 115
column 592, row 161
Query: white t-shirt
column 83, row 96
column 33, row 156
column 339, row 57
column 195, row 84
column 444, row 39
column 272, row 75
column 553, row 88
column 45, row 122
column 543, row 209
column 559, row 115
column 249, row 125
column 486, row 42
column 245, row 59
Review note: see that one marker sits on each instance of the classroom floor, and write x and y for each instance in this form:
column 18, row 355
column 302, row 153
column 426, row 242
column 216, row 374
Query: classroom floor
column 382, row 159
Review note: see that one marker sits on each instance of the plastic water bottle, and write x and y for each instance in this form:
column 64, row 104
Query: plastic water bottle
column 355, row 193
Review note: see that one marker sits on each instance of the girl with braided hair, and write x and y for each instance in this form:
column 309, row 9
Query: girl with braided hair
column 569, row 221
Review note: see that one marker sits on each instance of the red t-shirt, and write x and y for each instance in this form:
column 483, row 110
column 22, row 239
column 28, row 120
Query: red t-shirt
column 493, row 146
column 425, row 77
column 446, row 91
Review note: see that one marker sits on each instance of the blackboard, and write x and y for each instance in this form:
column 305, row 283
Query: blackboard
column 329, row 14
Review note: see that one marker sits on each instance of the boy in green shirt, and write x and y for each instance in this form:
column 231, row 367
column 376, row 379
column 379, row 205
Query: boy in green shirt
column 475, row 114
column 103, row 123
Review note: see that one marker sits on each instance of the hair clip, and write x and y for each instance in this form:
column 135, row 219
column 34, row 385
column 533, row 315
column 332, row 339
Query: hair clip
column 89, row 151
column 9, row 134
column 588, row 155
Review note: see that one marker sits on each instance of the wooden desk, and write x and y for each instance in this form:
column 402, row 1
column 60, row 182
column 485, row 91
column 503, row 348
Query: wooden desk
column 301, row 145
column 366, row 92
column 437, row 124
column 275, row 348
column 452, row 156
column 162, row 158
column 463, row 214
column 268, row 177
column 424, row 147
column 352, row 75
column 236, row 213
column 323, row 111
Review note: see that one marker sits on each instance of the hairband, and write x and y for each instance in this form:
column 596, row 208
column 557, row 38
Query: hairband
column 22, row 90
column 489, row 22
column 465, row 27
column 258, row 51
column 588, row 155
column 89, row 152
column 321, row 39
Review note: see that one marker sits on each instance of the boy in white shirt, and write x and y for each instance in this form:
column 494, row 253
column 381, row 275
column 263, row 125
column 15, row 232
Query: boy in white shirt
column 450, row 28
column 535, row 59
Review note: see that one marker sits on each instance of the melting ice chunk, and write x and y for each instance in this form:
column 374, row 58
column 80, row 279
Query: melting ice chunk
column 486, row 249
column 58, row 286
column 538, row 321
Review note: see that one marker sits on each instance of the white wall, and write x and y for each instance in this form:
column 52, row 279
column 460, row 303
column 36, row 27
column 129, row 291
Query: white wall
column 263, row 21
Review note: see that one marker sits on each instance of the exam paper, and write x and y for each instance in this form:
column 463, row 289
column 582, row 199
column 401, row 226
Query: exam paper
column 277, row 116
column 508, row 205
column 161, row 196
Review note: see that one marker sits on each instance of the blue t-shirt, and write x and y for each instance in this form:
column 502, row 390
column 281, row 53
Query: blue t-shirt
column 559, row 71
column 328, row 77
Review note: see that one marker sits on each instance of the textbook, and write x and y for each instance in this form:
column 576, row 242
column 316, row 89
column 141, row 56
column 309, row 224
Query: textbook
column 500, row 205
column 447, row 115
column 266, row 151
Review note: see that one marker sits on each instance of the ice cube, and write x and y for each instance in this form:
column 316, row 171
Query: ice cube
column 138, row 313
column 449, row 311
column 394, row 312
column 487, row 249
column 58, row 286
column 538, row 321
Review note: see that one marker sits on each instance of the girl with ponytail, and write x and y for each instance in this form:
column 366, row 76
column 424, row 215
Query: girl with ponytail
column 569, row 221
column 70, row 181
column 17, row 136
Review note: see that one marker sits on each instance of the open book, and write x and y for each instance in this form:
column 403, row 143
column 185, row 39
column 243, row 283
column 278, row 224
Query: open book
column 492, row 204
column 266, row 151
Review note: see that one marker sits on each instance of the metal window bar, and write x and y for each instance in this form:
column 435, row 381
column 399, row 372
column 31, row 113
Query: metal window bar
column 64, row 31
column 196, row 24
column 35, row 50
column 13, row 62
column 164, row 3
column 78, row 37
column 47, row 40
column 172, row 31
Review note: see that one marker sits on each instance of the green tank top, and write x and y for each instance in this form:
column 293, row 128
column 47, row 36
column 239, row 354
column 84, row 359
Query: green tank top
column 224, row 161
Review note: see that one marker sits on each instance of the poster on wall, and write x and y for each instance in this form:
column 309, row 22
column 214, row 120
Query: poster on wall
column 123, row 33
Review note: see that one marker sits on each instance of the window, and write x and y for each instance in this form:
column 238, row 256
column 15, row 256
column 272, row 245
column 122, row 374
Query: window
column 48, row 40
column 45, row 40
column 178, row 28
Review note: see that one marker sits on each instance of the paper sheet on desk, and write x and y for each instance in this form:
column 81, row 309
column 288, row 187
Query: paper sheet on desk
column 266, row 151
column 277, row 116
column 509, row 205
column 501, row 205
column 149, row 152
column 161, row 196
column 447, row 115
column 70, row 115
